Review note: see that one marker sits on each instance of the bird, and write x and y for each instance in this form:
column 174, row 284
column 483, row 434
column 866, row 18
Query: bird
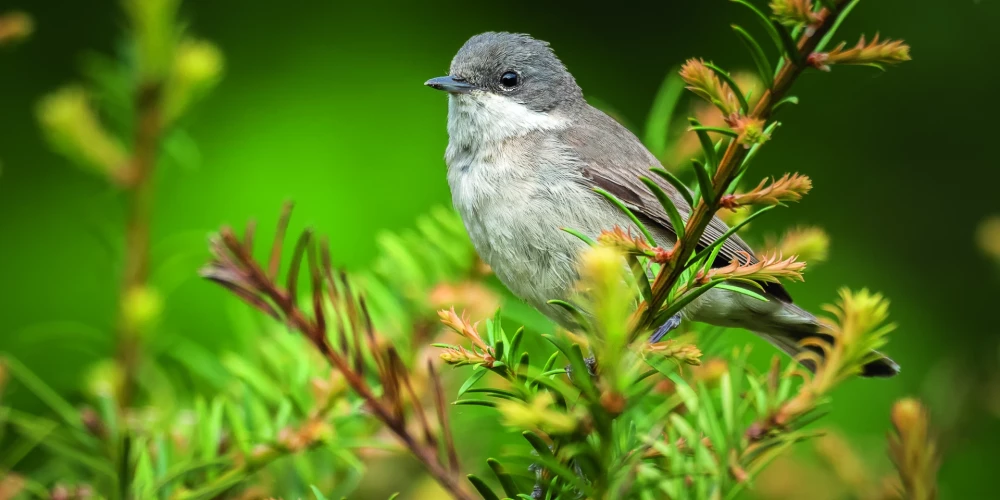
column 525, row 153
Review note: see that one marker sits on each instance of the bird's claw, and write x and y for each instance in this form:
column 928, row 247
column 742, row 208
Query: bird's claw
column 591, row 363
column 664, row 329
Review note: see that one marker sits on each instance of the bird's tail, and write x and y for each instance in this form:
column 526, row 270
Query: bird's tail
column 787, row 335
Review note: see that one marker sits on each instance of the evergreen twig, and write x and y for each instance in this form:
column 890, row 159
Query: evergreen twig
column 235, row 267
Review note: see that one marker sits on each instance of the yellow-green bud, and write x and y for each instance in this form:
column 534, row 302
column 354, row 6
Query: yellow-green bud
column 73, row 128
column 105, row 379
column 141, row 307
column 196, row 69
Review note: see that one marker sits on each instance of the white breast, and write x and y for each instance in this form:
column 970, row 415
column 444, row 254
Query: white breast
column 516, row 187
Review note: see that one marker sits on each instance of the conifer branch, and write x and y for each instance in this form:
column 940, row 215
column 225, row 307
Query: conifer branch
column 235, row 268
column 732, row 160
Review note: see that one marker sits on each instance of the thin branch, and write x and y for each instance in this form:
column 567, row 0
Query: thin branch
column 235, row 268
column 140, row 190
column 442, row 413
column 726, row 173
column 275, row 261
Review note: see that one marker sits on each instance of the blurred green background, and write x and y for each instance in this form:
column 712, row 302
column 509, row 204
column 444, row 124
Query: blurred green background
column 323, row 104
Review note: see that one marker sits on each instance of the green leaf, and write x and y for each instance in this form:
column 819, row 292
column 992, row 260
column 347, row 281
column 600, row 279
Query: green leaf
column 582, row 380
column 787, row 100
column 564, row 473
column 515, row 343
column 47, row 394
column 757, row 53
column 43, row 432
column 538, row 444
column 686, row 392
column 641, row 278
column 490, row 332
column 482, row 488
column 143, row 481
column 836, row 25
column 474, row 402
column 684, row 428
column 684, row 300
column 550, row 362
column 785, row 387
column 668, row 205
column 506, row 482
column 706, row 144
column 760, row 396
column 708, row 421
column 318, row 494
column 709, row 261
column 661, row 113
column 13, row 454
column 535, row 381
column 261, row 383
column 574, row 311
column 239, row 429
column 525, row 361
column 213, row 427
column 744, row 291
column 621, row 206
column 476, row 375
column 787, row 44
column 724, row 75
column 704, row 182
column 752, row 154
column 728, row 132
column 710, row 248
column 765, row 21
column 586, row 239
column 728, row 407
column 557, row 387
column 179, row 470
column 498, row 393
column 674, row 181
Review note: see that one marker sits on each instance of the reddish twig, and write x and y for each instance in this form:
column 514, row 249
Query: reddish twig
column 726, row 173
column 140, row 190
column 235, row 268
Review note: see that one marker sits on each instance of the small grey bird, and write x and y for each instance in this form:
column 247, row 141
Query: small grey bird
column 525, row 151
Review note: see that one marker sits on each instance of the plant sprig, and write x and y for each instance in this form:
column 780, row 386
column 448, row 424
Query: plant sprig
column 235, row 267
column 717, row 177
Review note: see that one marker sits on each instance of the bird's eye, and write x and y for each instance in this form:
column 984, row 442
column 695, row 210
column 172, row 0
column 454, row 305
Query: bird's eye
column 509, row 80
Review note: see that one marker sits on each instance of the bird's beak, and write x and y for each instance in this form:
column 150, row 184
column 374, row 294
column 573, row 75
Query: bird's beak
column 450, row 84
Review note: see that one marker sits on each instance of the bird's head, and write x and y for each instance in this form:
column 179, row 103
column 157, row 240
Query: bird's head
column 511, row 67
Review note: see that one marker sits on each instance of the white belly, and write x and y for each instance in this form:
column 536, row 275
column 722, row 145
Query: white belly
column 516, row 187
column 516, row 226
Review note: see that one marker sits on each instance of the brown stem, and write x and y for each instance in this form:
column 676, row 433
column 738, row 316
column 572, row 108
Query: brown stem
column 425, row 451
column 149, row 128
column 724, row 176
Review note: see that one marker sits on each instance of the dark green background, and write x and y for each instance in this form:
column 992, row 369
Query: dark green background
column 323, row 104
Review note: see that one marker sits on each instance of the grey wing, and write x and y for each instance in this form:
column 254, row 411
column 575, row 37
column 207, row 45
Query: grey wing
column 613, row 159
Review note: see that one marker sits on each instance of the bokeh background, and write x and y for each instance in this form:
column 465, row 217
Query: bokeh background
column 322, row 103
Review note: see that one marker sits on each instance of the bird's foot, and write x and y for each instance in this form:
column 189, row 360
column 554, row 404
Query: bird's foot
column 591, row 363
column 664, row 329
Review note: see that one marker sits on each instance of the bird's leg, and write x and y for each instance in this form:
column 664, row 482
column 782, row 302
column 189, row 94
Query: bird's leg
column 591, row 363
column 664, row 329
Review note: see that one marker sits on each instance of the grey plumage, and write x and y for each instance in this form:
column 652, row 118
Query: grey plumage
column 522, row 164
